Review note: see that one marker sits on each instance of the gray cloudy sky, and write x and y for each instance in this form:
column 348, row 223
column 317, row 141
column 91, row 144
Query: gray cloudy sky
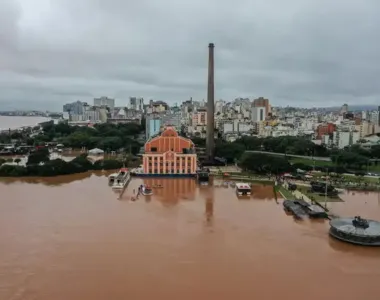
column 296, row 52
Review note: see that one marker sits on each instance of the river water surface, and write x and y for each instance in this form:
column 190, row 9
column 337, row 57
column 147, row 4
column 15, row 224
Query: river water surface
column 71, row 238
column 14, row 122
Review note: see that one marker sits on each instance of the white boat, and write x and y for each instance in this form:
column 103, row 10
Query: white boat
column 243, row 189
column 122, row 179
column 137, row 171
column 146, row 190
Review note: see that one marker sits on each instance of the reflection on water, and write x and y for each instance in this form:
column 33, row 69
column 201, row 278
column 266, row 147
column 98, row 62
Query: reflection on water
column 72, row 239
column 53, row 181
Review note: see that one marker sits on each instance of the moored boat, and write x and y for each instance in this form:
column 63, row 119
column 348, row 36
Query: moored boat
column 146, row 190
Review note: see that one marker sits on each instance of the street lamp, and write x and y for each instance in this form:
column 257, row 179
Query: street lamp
column 326, row 188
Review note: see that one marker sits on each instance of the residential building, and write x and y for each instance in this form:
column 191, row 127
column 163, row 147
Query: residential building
column 136, row 103
column 262, row 102
column 75, row 108
column 152, row 126
column 344, row 109
column 343, row 139
column 258, row 113
column 157, row 107
column 169, row 153
column 105, row 101
column 323, row 129
column 199, row 117
column 95, row 114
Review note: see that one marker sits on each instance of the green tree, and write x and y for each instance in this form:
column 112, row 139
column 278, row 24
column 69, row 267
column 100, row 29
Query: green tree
column 40, row 155
column 265, row 164
column 229, row 151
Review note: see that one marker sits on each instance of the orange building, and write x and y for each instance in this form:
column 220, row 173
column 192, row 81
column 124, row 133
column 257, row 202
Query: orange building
column 171, row 154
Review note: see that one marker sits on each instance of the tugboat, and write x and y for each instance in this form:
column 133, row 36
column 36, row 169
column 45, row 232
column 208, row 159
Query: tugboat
column 146, row 190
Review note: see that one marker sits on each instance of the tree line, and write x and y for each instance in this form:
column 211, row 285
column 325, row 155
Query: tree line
column 108, row 137
column 354, row 157
column 39, row 164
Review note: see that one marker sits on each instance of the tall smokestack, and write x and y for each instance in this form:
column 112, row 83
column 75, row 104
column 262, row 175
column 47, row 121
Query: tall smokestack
column 210, row 144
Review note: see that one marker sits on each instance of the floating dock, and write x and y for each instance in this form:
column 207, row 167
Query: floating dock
column 301, row 209
column 294, row 208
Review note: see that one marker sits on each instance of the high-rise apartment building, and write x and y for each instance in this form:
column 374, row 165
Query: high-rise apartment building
column 75, row 108
column 105, row 101
column 262, row 102
column 258, row 114
column 136, row 103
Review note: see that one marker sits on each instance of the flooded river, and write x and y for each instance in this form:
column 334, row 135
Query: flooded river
column 70, row 238
column 14, row 122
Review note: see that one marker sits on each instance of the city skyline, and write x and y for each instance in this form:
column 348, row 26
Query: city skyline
column 59, row 52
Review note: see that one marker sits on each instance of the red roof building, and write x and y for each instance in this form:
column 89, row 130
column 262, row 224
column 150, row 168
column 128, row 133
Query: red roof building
column 169, row 153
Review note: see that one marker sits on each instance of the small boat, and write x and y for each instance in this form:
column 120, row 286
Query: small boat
column 146, row 190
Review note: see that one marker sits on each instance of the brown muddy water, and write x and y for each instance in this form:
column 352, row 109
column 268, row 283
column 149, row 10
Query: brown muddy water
column 70, row 238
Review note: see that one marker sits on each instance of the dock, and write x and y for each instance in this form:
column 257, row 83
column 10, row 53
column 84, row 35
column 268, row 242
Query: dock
column 294, row 208
column 300, row 209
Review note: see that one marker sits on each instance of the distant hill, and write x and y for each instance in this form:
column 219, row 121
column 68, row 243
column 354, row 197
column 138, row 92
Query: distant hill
column 354, row 107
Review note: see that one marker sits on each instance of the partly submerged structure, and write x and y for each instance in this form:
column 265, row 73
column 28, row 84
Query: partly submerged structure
column 169, row 155
column 300, row 209
column 356, row 231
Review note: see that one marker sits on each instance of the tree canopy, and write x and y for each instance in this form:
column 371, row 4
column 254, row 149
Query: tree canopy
column 109, row 137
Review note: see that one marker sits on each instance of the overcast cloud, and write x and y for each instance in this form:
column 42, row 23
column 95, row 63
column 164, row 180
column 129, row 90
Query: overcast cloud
column 295, row 52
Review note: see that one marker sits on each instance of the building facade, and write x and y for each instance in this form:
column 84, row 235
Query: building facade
column 75, row 108
column 262, row 102
column 170, row 154
column 323, row 129
column 258, row 113
column 136, row 103
column 105, row 101
column 153, row 126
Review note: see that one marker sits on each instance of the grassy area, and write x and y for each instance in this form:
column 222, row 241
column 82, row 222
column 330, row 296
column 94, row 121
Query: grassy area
column 315, row 196
column 350, row 178
column 318, row 163
column 285, row 193
column 310, row 162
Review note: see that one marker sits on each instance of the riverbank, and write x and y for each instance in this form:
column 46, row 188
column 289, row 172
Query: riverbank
column 244, row 177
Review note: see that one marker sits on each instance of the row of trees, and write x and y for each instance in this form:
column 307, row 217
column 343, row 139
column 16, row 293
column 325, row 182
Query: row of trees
column 355, row 157
column 39, row 164
column 109, row 137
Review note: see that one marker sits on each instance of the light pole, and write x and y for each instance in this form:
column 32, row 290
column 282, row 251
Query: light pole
column 326, row 188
